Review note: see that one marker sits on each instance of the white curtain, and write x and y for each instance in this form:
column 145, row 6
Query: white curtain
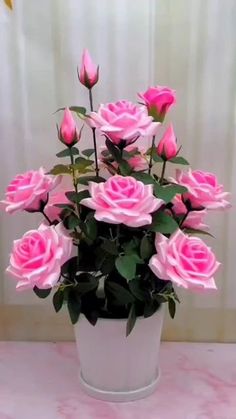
column 188, row 45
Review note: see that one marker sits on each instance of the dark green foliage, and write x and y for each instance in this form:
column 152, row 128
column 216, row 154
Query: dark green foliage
column 42, row 293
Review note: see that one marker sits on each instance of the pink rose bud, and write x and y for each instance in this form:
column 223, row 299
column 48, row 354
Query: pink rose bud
column 158, row 100
column 167, row 147
column 88, row 73
column 68, row 130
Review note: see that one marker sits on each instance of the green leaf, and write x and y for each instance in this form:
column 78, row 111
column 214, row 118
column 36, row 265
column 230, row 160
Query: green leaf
column 168, row 192
column 70, row 266
column 126, row 266
column 196, row 231
column 128, row 154
column 64, row 206
column 119, row 293
column 84, row 180
column 130, row 246
column 91, row 227
column 71, row 222
column 155, row 156
column 86, row 283
column 107, row 265
column 125, row 168
column 60, row 169
column 144, row 177
column 67, row 152
column 58, row 299
column 80, row 110
column 77, row 196
column 114, row 151
column 160, row 298
column 157, row 159
column 74, row 306
column 81, row 164
column 158, row 117
column 179, row 160
column 150, row 308
column 146, row 248
column 42, row 293
column 131, row 320
column 171, row 307
column 136, row 289
column 163, row 223
column 110, row 247
column 88, row 152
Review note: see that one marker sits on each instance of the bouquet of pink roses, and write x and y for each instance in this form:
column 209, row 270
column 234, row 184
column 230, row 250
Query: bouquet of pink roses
column 117, row 243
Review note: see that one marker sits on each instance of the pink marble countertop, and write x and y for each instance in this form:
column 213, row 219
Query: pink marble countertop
column 39, row 381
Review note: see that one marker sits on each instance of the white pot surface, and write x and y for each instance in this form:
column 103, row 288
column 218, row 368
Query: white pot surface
column 115, row 367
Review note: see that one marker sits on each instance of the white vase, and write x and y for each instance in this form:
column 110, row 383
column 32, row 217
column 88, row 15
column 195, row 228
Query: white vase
column 117, row 368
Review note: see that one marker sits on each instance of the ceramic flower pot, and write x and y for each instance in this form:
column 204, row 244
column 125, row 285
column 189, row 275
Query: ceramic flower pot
column 117, row 368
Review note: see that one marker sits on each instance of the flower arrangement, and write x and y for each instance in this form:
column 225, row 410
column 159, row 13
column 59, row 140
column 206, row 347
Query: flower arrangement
column 117, row 243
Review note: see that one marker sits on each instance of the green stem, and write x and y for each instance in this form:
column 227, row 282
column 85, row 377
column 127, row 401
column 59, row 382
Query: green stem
column 163, row 172
column 117, row 234
column 183, row 219
column 151, row 155
column 94, row 134
column 45, row 215
column 76, row 190
column 73, row 171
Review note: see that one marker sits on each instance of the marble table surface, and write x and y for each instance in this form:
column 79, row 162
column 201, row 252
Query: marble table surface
column 39, row 381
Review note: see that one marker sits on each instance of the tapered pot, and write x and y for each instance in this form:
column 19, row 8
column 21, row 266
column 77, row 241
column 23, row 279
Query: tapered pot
column 117, row 368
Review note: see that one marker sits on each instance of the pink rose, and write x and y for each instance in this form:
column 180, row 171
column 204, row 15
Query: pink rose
column 123, row 121
column 28, row 191
column 203, row 189
column 195, row 219
column 68, row 131
column 122, row 200
column 167, row 147
column 56, row 197
column 88, row 74
column 37, row 257
column 185, row 260
column 158, row 100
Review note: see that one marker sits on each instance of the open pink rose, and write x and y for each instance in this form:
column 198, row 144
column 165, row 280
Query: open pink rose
column 88, row 73
column 195, row 219
column 158, row 100
column 203, row 189
column 167, row 147
column 37, row 257
column 122, row 200
column 29, row 190
column 184, row 260
column 123, row 121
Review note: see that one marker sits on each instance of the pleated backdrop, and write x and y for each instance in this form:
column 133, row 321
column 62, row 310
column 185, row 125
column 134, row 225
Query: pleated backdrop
column 188, row 45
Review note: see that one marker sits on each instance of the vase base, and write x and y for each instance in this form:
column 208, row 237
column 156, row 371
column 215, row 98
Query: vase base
column 119, row 396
